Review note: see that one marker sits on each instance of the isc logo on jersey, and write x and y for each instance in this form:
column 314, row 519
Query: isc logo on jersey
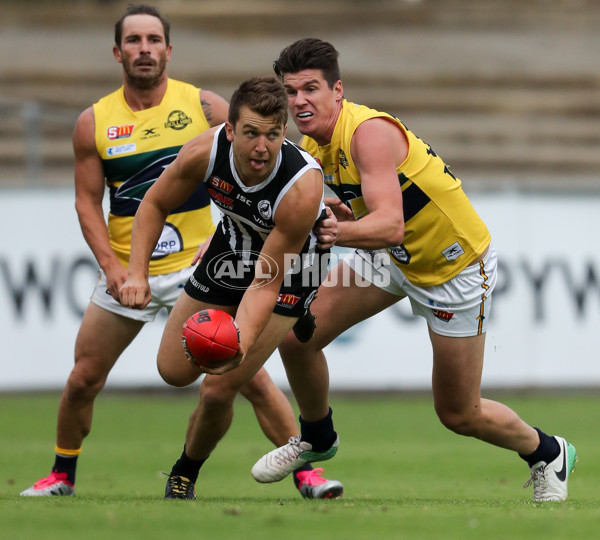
column 119, row 132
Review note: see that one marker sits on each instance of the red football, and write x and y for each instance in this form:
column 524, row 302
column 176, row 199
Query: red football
column 210, row 338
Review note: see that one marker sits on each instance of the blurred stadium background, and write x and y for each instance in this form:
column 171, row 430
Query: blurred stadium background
column 508, row 92
column 503, row 87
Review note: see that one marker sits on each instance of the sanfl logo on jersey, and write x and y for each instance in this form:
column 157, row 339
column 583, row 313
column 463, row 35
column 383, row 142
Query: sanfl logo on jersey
column 400, row 253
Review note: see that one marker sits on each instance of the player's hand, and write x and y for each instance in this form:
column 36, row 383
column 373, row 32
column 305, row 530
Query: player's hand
column 224, row 368
column 326, row 230
column 201, row 250
column 115, row 277
column 135, row 293
column 339, row 209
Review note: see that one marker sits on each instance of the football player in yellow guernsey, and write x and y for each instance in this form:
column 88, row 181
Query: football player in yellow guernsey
column 124, row 142
column 417, row 236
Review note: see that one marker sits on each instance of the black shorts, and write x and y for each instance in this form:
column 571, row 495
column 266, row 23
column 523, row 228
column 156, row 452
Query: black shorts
column 222, row 277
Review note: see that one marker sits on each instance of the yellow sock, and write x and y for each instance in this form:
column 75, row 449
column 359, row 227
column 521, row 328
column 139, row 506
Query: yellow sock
column 64, row 452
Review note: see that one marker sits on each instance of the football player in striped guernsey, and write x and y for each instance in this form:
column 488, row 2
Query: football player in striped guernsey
column 263, row 264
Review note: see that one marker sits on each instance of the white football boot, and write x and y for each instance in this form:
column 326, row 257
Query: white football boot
column 550, row 479
column 278, row 463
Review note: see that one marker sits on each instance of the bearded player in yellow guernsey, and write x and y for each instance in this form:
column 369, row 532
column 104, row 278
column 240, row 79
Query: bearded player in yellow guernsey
column 126, row 140
column 418, row 237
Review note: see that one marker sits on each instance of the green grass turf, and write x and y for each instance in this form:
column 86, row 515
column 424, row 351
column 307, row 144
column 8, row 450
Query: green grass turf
column 405, row 476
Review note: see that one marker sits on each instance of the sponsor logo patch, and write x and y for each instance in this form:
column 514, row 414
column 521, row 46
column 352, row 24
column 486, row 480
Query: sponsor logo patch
column 343, row 160
column 195, row 283
column 121, row 149
column 264, row 209
column 453, row 252
column 177, row 120
column 221, row 200
column 119, row 132
column 287, row 300
column 443, row 315
column 170, row 241
column 150, row 133
column 221, row 185
column 400, row 254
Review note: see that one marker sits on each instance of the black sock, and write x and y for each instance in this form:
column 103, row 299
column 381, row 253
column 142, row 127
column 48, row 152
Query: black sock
column 320, row 433
column 305, row 467
column 548, row 450
column 187, row 467
column 66, row 465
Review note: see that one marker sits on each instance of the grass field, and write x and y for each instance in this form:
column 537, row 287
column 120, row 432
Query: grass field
column 405, row 476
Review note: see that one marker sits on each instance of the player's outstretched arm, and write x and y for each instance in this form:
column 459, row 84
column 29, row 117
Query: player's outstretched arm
column 294, row 219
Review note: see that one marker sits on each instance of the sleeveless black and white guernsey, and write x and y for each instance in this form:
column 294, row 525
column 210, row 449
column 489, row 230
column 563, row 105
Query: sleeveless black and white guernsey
column 247, row 218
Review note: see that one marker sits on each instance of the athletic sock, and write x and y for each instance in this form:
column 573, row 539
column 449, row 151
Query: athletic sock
column 66, row 464
column 547, row 451
column 187, row 467
column 320, row 433
column 305, row 467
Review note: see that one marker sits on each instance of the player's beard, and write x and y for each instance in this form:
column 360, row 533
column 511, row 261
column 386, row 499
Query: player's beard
column 145, row 80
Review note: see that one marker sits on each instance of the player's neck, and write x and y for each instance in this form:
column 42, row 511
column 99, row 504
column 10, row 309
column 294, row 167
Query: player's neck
column 139, row 98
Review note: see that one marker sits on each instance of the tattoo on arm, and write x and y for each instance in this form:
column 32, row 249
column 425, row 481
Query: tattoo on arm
column 207, row 109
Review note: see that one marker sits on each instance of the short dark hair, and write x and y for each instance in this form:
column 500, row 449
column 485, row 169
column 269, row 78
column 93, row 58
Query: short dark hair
column 309, row 53
column 263, row 95
column 141, row 9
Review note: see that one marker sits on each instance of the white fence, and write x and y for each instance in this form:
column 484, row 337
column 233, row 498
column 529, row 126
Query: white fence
column 544, row 330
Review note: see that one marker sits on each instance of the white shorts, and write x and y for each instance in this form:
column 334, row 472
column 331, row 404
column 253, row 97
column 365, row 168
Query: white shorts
column 165, row 289
column 460, row 307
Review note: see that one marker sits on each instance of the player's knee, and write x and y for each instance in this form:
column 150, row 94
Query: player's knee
column 83, row 385
column 459, row 422
column 174, row 377
column 215, row 391
column 258, row 388
column 291, row 348
column 176, row 371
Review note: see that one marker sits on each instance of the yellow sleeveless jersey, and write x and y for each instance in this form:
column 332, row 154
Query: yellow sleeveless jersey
column 443, row 233
column 135, row 147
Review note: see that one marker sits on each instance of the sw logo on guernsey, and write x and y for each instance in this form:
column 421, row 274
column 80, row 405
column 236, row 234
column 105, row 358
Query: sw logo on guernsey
column 221, row 185
column 119, row 132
